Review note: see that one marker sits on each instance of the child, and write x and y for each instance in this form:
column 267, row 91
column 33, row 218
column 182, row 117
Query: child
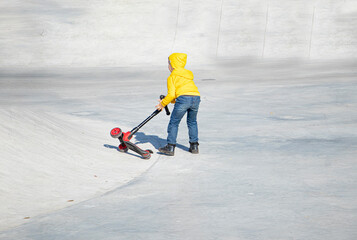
column 182, row 91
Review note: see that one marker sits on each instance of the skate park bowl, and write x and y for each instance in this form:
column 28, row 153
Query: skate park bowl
column 277, row 120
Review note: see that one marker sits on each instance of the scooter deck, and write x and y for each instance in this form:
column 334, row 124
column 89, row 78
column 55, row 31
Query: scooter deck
column 125, row 144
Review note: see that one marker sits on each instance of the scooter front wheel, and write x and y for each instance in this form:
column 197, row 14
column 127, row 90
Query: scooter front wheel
column 116, row 132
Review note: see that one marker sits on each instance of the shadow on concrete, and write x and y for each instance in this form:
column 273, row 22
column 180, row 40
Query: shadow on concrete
column 156, row 141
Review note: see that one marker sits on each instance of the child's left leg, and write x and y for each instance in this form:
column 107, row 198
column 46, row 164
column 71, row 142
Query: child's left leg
column 192, row 119
column 172, row 129
column 192, row 125
column 175, row 119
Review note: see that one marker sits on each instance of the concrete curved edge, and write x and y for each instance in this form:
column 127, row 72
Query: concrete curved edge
column 50, row 161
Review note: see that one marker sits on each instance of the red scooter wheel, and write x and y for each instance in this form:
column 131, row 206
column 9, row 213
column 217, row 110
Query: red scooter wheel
column 122, row 148
column 115, row 132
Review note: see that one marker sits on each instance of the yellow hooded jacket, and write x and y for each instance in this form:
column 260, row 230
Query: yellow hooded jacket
column 180, row 82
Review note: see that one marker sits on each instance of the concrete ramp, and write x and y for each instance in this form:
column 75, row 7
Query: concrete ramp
column 50, row 161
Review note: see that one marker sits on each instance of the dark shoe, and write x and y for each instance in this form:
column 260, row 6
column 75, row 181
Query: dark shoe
column 194, row 148
column 169, row 149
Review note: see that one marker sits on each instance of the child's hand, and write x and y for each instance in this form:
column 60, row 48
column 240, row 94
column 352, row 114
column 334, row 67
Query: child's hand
column 159, row 106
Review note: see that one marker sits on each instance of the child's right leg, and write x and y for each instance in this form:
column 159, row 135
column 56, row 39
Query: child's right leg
column 192, row 124
column 192, row 119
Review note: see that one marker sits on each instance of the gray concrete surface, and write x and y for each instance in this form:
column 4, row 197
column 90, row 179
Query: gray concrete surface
column 278, row 153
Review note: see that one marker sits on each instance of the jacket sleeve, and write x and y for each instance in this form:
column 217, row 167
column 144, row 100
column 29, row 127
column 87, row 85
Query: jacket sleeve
column 171, row 93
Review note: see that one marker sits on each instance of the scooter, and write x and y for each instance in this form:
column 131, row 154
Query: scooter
column 124, row 138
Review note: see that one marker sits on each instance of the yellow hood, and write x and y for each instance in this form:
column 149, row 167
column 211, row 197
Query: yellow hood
column 178, row 62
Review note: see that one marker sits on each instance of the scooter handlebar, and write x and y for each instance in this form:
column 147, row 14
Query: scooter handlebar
column 166, row 108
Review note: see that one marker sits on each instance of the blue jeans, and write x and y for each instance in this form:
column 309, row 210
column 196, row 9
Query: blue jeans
column 189, row 104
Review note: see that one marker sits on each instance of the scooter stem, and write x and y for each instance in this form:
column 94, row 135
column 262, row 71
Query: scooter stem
column 134, row 130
